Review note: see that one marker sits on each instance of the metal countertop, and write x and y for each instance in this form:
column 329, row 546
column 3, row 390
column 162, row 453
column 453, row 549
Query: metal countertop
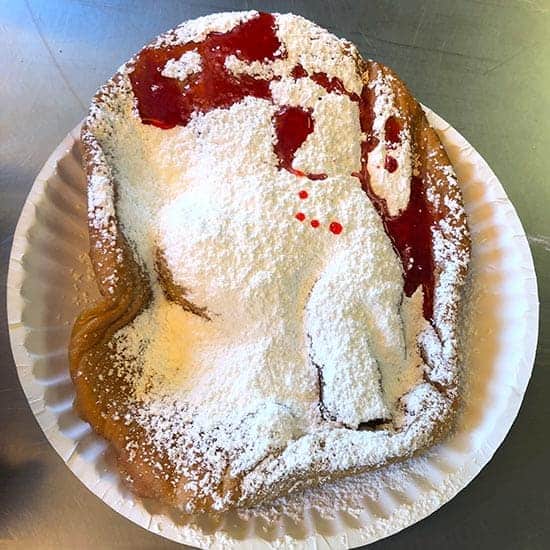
column 482, row 65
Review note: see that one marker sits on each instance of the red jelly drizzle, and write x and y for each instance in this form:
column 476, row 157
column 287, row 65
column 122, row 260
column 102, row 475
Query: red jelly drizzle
column 333, row 84
column 298, row 71
column 317, row 176
column 292, row 126
column 335, row 228
column 303, row 194
column 315, row 223
column 410, row 230
column 300, row 216
column 167, row 102
column 390, row 164
column 392, row 128
column 366, row 121
column 371, row 143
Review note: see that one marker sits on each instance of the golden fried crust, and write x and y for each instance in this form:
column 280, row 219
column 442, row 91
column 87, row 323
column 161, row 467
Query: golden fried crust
column 103, row 399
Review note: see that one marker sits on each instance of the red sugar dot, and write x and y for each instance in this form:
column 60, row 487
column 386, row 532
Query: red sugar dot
column 300, row 216
column 315, row 223
column 303, row 194
column 335, row 227
column 390, row 164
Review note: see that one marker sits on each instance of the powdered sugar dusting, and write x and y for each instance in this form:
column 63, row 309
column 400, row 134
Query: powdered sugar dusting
column 101, row 207
column 295, row 314
column 334, row 147
column 188, row 64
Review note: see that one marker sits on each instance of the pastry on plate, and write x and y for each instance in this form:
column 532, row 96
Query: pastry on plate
column 280, row 243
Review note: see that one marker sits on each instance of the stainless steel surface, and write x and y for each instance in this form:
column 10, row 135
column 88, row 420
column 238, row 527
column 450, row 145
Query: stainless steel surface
column 482, row 65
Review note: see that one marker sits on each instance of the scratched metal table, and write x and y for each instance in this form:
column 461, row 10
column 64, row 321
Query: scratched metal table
column 483, row 65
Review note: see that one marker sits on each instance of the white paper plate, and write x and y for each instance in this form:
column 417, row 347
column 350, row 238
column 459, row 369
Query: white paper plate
column 50, row 281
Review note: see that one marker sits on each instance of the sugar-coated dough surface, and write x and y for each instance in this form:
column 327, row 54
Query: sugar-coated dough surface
column 281, row 294
column 295, row 314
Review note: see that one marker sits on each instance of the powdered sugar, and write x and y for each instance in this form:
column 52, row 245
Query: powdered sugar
column 302, row 92
column 188, row 64
column 295, row 312
column 334, row 148
column 317, row 50
column 101, row 206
